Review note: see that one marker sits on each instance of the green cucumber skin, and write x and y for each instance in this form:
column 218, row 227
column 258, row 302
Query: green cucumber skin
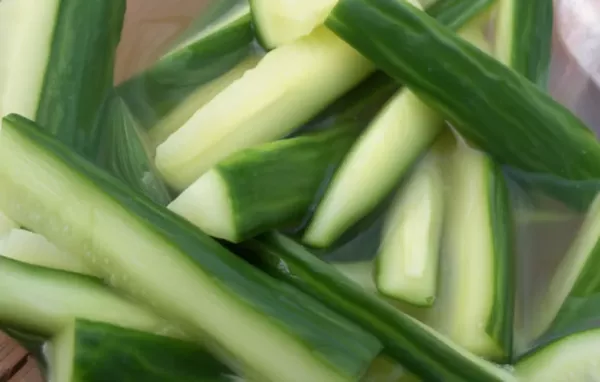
column 403, row 338
column 276, row 183
column 301, row 166
column 500, row 323
column 126, row 154
column 334, row 339
column 105, row 352
column 80, row 73
column 456, row 13
column 409, row 45
column 154, row 93
column 532, row 42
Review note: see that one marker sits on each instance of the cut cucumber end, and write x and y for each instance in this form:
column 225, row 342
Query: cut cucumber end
column 31, row 248
column 206, row 204
column 60, row 352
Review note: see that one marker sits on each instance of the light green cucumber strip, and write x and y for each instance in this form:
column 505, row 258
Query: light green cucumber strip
column 94, row 351
column 280, row 22
column 59, row 66
column 6, row 225
column 264, row 187
column 571, row 296
column 150, row 253
column 42, row 300
column 289, row 86
column 476, row 300
column 572, row 358
column 359, row 272
column 407, row 262
column 208, row 56
column 382, row 154
column 31, row 248
column 524, row 37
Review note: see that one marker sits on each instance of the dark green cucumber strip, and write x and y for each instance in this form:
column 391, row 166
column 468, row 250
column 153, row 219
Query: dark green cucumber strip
column 524, row 38
column 571, row 299
column 424, row 352
column 87, row 351
column 159, row 258
column 275, row 184
column 477, row 292
column 494, row 107
column 265, row 187
column 572, row 358
column 31, row 248
column 127, row 154
column 201, row 62
column 60, row 66
column 42, row 301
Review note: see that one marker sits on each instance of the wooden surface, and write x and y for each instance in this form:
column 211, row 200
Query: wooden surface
column 15, row 364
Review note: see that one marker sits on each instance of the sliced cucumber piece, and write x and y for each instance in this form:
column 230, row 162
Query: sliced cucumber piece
column 402, row 131
column 59, row 68
column 31, row 248
column 212, row 53
column 157, row 257
column 289, row 86
column 92, row 351
column 524, row 38
column 360, row 272
column 407, row 262
column 572, row 358
column 265, row 187
column 383, row 153
column 494, row 107
column 43, row 301
column 571, row 296
column 6, row 225
column 477, row 287
column 127, row 153
column 423, row 351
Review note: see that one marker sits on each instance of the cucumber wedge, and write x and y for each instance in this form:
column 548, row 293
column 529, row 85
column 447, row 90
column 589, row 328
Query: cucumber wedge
column 490, row 105
column 59, row 66
column 383, row 154
column 477, row 288
column 419, row 348
column 407, row 262
column 288, row 87
column 6, row 225
column 127, row 153
column 266, row 187
column 524, row 38
column 361, row 273
column 87, row 351
column 31, row 248
column 43, row 301
column 150, row 253
column 571, row 297
column 573, row 358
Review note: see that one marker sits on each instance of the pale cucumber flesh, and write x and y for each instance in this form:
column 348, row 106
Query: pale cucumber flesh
column 287, row 87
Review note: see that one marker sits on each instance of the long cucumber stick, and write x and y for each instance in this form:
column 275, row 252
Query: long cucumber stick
column 419, row 348
column 408, row 255
column 276, row 184
column 42, row 301
column 215, row 50
column 476, row 301
column 524, row 38
column 58, row 65
column 288, row 87
column 571, row 297
column 492, row 106
column 383, row 154
column 6, row 225
column 146, row 251
column 92, row 351
column 31, row 248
